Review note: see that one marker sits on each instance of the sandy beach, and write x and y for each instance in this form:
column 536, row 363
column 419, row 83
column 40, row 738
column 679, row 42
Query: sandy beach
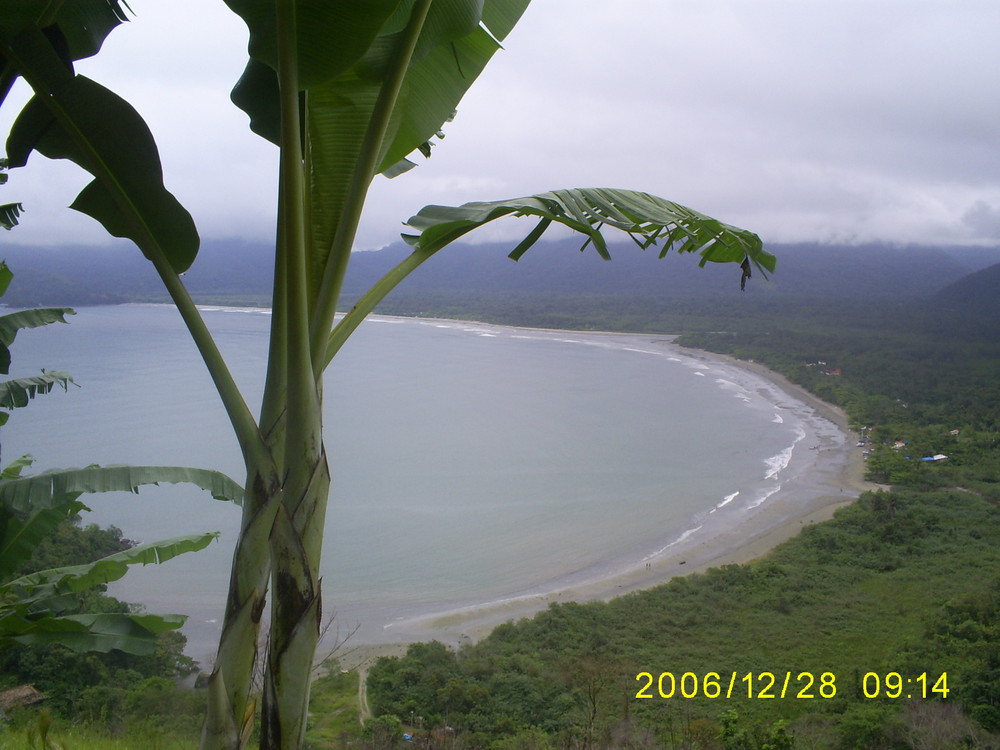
column 834, row 478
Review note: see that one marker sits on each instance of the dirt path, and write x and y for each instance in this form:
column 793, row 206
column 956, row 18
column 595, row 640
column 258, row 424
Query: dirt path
column 364, row 710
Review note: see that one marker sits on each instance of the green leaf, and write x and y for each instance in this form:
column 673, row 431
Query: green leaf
column 14, row 468
column 11, row 323
column 134, row 634
column 256, row 93
column 51, row 488
column 40, row 586
column 446, row 21
column 85, row 24
column 332, row 35
column 452, row 51
column 340, row 111
column 19, row 537
column 16, row 393
column 75, row 29
column 647, row 219
column 78, row 27
column 31, row 606
column 9, row 213
column 72, row 117
column 5, row 277
column 443, row 70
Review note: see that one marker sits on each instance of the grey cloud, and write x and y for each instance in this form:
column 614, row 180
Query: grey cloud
column 983, row 220
column 803, row 119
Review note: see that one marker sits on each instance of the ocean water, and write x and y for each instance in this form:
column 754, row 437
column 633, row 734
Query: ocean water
column 470, row 463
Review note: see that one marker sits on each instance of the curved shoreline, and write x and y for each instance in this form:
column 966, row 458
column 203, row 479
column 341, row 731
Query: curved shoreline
column 834, row 478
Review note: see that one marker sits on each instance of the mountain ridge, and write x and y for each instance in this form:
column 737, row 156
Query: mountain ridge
column 978, row 291
column 238, row 270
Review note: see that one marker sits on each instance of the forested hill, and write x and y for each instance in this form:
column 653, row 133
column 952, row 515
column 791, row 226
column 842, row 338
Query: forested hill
column 559, row 268
column 977, row 291
column 482, row 276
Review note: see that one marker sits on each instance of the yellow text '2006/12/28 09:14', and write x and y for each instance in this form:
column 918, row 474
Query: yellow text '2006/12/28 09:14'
column 776, row 685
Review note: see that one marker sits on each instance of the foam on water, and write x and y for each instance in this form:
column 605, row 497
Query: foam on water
column 777, row 463
column 763, row 496
column 679, row 540
column 235, row 310
column 725, row 501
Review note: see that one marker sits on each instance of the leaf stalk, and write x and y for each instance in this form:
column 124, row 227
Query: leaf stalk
column 364, row 173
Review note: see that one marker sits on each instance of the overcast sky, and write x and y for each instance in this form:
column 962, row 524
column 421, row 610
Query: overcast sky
column 802, row 120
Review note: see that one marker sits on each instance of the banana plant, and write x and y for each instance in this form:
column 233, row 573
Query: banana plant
column 35, row 609
column 346, row 91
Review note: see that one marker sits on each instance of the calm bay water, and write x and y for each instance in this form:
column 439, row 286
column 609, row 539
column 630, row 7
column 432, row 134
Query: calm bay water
column 470, row 462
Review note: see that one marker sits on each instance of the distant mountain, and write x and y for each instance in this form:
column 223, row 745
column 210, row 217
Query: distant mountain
column 974, row 258
column 558, row 268
column 119, row 273
column 238, row 272
column 977, row 292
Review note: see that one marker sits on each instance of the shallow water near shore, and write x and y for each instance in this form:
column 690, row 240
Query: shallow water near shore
column 470, row 463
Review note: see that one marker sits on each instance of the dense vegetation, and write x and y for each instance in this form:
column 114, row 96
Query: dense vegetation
column 113, row 690
column 880, row 590
column 905, row 581
column 122, row 701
